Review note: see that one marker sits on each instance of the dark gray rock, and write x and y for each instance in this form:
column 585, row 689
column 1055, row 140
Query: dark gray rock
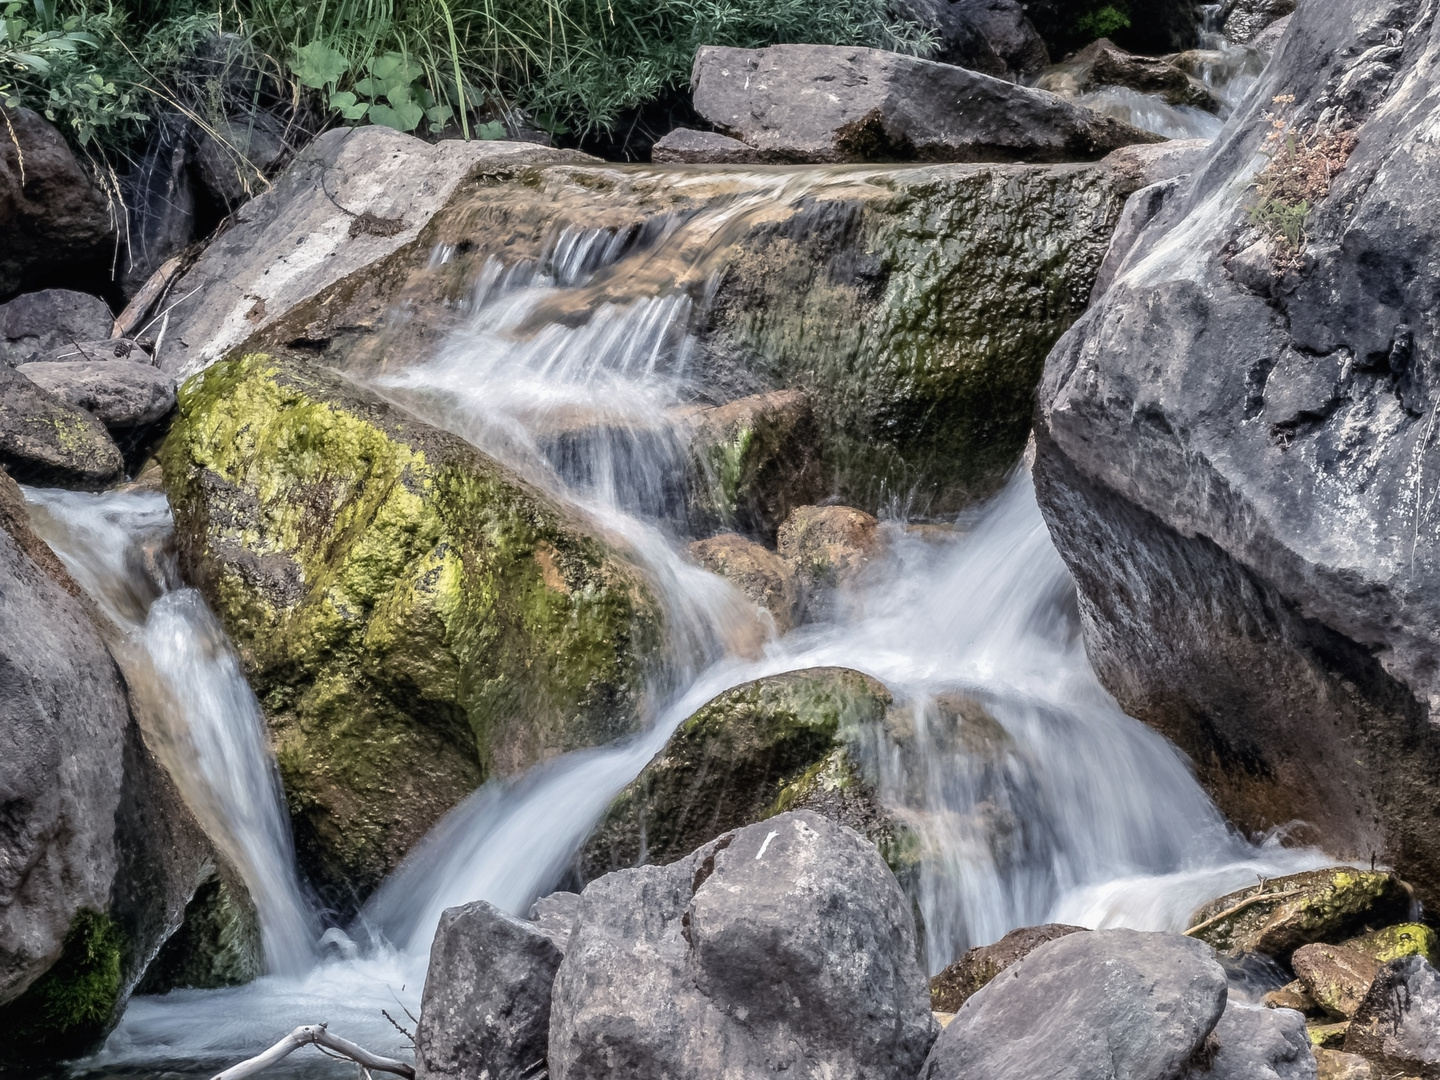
column 990, row 36
column 963, row 979
column 785, row 946
column 1110, row 1003
column 1102, row 63
column 554, row 916
column 1238, row 474
column 1268, row 39
column 685, row 146
column 1398, row 1023
column 45, row 440
column 233, row 159
column 1245, row 20
column 486, row 1007
column 35, row 323
column 160, row 202
column 57, row 225
column 822, row 103
column 94, row 351
column 1258, row 1044
column 118, row 393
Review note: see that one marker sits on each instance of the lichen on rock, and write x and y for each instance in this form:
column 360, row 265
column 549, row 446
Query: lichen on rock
column 412, row 617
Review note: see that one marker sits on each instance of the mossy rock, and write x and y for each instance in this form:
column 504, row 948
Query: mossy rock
column 412, row 616
column 1394, row 942
column 1282, row 914
column 69, row 1009
column 745, row 755
column 218, row 943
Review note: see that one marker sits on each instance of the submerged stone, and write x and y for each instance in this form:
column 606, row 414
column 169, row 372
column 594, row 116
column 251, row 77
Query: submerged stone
column 412, row 617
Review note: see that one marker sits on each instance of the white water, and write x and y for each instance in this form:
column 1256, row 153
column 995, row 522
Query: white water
column 1062, row 809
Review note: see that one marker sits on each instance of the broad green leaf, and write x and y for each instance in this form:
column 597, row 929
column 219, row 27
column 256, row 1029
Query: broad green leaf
column 438, row 114
column 402, row 118
column 399, row 96
column 386, row 67
column 318, row 65
column 371, row 88
column 492, row 130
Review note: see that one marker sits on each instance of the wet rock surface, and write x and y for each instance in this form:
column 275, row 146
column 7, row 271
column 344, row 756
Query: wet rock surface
column 990, row 36
column 1398, row 1024
column 1335, row 977
column 1303, row 683
column 685, row 146
column 962, row 980
column 1257, row 1044
column 1246, row 20
column 486, row 1007
column 411, row 616
column 725, row 767
column 756, row 571
column 46, row 440
column 1102, row 63
column 118, row 393
column 786, row 946
column 828, row 104
column 1104, row 1003
column 34, row 324
column 828, row 548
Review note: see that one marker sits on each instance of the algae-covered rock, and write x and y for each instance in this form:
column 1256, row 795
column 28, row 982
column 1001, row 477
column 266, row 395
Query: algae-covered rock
column 218, row 943
column 1337, row 978
column 45, row 440
column 1394, row 942
column 725, row 767
column 1281, row 914
column 411, row 616
column 72, row 1005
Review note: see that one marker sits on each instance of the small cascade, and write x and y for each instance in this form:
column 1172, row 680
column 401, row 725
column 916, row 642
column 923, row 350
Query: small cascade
column 192, row 700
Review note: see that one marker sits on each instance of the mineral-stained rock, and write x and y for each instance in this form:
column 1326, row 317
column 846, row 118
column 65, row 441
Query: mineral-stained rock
column 46, row 440
column 1393, row 942
column 685, row 146
column 753, row 460
column 411, row 616
column 1327, row 1036
column 784, row 947
column 56, row 223
column 1252, row 584
column 1257, row 1044
column 1398, row 1024
column 827, row 548
column 1106, row 1003
column 961, row 980
column 1284, row 913
column 725, row 766
column 830, row 104
column 756, row 571
column 1338, row 1065
column 1102, row 63
column 1337, row 978
column 486, row 1007
column 34, row 323
column 118, row 393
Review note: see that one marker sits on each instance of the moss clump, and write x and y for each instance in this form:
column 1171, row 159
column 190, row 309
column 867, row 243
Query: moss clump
column 1395, row 942
column 728, row 765
column 412, row 616
column 70, row 1009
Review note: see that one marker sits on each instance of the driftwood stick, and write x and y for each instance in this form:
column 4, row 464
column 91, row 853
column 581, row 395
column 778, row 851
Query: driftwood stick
column 1249, row 901
column 138, row 308
column 315, row 1035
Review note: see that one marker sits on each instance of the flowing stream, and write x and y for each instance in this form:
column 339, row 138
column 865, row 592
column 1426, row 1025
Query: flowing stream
column 1048, row 803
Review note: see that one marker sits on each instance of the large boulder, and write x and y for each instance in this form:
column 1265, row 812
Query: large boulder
column 1257, row 1044
column 1232, row 451
column 486, row 1007
column 46, row 440
column 98, row 857
column 785, row 946
column 959, row 982
column 828, row 104
column 353, row 197
column 35, row 323
column 725, row 767
column 1109, row 1003
column 1398, row 1023
column 762, row 575
column 118, row 393
column 990, row 36
column 1245, row 20
column 58, row 226
column 1102, row 63
column 412, row 617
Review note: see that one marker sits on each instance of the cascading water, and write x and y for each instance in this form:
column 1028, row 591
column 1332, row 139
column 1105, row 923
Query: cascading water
column 1032, row 795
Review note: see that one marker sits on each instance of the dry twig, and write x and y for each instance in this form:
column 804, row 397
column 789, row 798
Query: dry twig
column 315, row 1035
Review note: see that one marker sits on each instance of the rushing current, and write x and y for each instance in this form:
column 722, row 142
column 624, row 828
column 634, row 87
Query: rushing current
column 1045, row 803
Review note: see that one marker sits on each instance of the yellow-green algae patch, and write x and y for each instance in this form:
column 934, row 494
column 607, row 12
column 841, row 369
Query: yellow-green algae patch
column 412, row 616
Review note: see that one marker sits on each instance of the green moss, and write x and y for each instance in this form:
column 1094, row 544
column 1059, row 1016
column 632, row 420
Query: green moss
column 412, row 616
column 70, row 1008
column 1394, row 942
column 730, row 764
column 218, row 943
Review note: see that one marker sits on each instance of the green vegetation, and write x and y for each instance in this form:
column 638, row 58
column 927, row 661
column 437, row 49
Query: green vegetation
column 72, row 1005
column 102, row 69
column 1067, row 25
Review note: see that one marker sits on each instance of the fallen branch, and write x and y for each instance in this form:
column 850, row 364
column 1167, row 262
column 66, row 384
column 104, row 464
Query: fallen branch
column 315, row 1035
column 1249, row 901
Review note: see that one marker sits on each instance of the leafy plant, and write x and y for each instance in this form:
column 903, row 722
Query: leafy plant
column 1102, row 22
column 1301, row 169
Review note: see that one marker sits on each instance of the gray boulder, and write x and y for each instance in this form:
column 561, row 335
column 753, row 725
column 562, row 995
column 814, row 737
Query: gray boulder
column 1234, row 452
column 118, row 393
column 989, row 36
column 785, row 946
column 1251, row 1043
column 45, row 440
column 93, row 351
column 1110, row 1003
column 963, row 979
column 1398, row 1023
column 1245, row 20
column 35, row 323
column 823, row 103
column 685, row 146
column 554, row 916
column 57, row 225
column 1102, row 63
column 486, row 1007
column 235, row 156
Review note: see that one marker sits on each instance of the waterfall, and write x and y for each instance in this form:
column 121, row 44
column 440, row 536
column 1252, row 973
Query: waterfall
column 194, row 705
